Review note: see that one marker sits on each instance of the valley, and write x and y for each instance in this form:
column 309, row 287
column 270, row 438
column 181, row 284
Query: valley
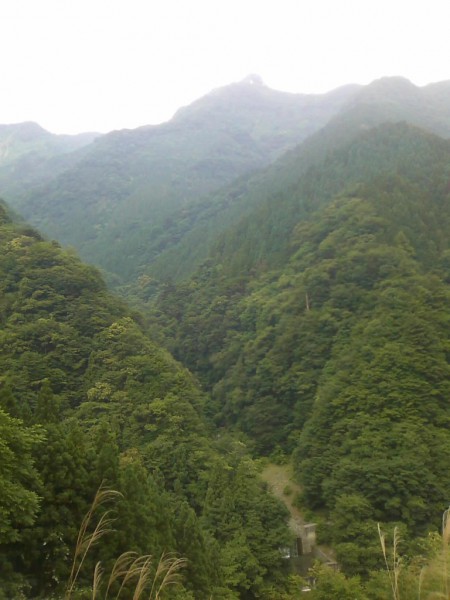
column 267, row 274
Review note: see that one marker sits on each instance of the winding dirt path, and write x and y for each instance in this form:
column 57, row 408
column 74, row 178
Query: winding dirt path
column 279, row 478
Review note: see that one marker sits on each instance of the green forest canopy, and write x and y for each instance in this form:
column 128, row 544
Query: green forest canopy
column 86, row 397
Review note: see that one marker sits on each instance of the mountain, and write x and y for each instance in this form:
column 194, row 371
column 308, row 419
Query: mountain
column 126, row 187
column 313, row 327
column 30, row 156
column 320, row 325
column 18, row 140
column 193, row 233
column 261, row 245
column 89, row 400
column 151, row 202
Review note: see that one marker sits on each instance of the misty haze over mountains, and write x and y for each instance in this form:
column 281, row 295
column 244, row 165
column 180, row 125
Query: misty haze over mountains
column 286, row 259
column 127, row 188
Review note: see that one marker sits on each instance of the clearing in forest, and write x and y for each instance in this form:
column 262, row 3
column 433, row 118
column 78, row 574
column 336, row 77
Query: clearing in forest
column 280, row 480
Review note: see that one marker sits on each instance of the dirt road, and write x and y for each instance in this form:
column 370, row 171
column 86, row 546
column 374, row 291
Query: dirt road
column 280, row 480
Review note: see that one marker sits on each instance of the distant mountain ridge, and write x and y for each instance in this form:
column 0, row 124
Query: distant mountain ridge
column 30, row 156
column 119, row 191
column 152, row 200
column 269, row 115
column 19, row 139
column 195, row 232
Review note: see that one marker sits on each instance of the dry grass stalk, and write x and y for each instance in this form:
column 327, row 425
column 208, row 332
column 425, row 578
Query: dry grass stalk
column 86, row 540
column 128, row 567
column 435, row 575
column 98, row 572
column 168, row 570
column 445, row 543
column 144, row 577
column 120, row 570
column 133, row 571
column 394, row 570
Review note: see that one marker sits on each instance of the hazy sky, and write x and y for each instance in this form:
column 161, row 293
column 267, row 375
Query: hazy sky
column 79, row 65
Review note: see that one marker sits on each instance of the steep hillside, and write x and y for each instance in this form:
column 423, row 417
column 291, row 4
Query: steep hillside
column 319, row 327
column 192, row 232
column 87, row 397
column 21, row 139
column 263, row 241
column 116, row 203
column 30, row 156
column 340, row 351
column 151, row 202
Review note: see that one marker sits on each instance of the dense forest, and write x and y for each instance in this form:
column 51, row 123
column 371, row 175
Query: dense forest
column 328, row 339
column 114, row 199
column 87, row 399
column 297, row 313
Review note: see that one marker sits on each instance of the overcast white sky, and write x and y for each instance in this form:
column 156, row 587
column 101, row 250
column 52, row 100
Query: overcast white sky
column 80, row 65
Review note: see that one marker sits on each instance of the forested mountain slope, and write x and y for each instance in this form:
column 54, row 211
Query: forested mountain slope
column 114, row 205
column 152, row 201
column 319, row 327
column 31, row 156
column 86, row 397
column 193, row 231
column 21, row 139
column 338, row 347
column 263, row 241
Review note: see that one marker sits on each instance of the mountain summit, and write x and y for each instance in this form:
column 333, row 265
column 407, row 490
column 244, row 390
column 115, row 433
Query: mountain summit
column 123, row 189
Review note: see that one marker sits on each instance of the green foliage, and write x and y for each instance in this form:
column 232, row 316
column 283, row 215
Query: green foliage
column 112, row 407
column 18, row 476
column 319, row 325
column 337, row 347
column 355, row 536
column 332, row 585
column 248, row 524
column 19, row 502
column 261, row 340
column 133, row 195
column 63, row 463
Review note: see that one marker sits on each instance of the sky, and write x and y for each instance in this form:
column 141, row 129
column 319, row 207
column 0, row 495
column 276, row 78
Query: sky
column 99, row 65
